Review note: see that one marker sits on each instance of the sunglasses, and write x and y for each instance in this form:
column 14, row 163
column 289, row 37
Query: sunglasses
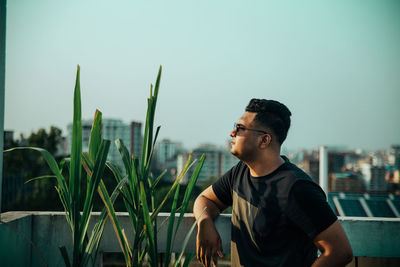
column 237, row 128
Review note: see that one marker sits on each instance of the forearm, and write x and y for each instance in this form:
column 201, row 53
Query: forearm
column 334, row 245
column 205, row 208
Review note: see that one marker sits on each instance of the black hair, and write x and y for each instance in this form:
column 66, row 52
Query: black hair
column 271, row 114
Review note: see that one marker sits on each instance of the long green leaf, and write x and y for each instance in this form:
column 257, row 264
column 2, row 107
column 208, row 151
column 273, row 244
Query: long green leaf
column 135, row 180
column 188, row 259
column 88, row 163
column 148, row 164
column 95, row 135
column 40, row 178
column 65, row 205
column 115, row 171
column 189, row 191
column 51, row 162
column 131, row 196
column 171, row 227
column 148, row 133
column 76, row 167
column 188, row 164
column 64, row 254
column 97, row 231
column 146, row 137
column 123, row 151
column 118, row 176
column 132, row 179
column 157, row 85
column 117, row 228
column 185, row 241
column 158, row 179
column 125, row 193
column 192, row 183
column 152, row 103
column 149, row 231
column 98, row 171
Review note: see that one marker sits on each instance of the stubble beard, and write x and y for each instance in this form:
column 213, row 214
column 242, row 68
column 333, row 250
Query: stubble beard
column 244, row 156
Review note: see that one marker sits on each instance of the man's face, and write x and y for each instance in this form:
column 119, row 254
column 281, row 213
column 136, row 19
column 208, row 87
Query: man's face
column 244, row 142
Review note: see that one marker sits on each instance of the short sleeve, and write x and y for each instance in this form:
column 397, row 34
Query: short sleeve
column 308, row 209
column 223, row 186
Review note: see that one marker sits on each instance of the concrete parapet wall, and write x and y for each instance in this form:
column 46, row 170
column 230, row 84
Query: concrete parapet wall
column 15, row 236
column 370, row 237
column 373, row 237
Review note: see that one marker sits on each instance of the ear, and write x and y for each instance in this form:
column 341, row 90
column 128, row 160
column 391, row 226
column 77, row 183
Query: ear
column 265, row 141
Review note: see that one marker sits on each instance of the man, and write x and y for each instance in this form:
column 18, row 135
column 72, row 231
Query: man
column 279, row 216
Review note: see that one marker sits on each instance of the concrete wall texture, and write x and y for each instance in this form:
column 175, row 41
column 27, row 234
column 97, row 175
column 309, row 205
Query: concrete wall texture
column 369, row 237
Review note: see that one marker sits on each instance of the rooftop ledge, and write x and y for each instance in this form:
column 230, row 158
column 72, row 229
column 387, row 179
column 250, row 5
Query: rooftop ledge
column 369, row 236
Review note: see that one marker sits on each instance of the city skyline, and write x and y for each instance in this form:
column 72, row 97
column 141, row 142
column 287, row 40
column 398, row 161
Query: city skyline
column 334, row 64
column 284, row 150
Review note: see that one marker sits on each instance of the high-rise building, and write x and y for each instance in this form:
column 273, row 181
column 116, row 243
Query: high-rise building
column 86, row 128
column 217, row 162
column 395, row 155
column 112, row 129
column 346, row 182
column 374, row 177
column 336, row 161
column 310, row 165
column 136, row 138
column 167, row 150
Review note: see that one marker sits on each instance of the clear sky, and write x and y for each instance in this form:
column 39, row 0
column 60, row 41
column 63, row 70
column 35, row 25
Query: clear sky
column 335, row 64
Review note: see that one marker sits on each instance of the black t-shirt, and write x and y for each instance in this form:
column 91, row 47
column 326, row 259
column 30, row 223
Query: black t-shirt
column 274, row 217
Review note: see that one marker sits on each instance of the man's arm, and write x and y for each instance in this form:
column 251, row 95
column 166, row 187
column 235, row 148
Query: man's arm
column 207, row 206
column 334, row 245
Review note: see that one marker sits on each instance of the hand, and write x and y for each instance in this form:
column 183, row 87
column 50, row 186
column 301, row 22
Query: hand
column 208, row 243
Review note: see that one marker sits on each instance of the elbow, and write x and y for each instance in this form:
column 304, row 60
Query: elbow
column 198, row 201
column 196, row 205
column 199, row 206
column 341, row 257
column 348, row 256
column 345, row 255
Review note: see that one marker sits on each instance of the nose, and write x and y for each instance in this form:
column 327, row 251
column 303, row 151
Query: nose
column 233, row 133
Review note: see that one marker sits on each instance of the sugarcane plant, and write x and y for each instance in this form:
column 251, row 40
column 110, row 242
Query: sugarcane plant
column 137, row 187
column 139, row 198
column 69, row 188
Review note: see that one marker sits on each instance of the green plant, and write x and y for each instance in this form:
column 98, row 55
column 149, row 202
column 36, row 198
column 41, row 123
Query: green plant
column 70, row 188
column 137, row 188
column 139, row 199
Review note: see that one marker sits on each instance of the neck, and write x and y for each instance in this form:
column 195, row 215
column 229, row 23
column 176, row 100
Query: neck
column 265, row 164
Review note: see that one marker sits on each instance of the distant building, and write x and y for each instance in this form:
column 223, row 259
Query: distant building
column 165, row 158
column 392, row 178
column 374, row 177
column 136, row 138
column 336, row 161
column 62, row 147
column 396, row 177
column 217, row 162
column 167, row 150
column 112, row 129
column 311, row 166
column 346, row 182
column 395, row 156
